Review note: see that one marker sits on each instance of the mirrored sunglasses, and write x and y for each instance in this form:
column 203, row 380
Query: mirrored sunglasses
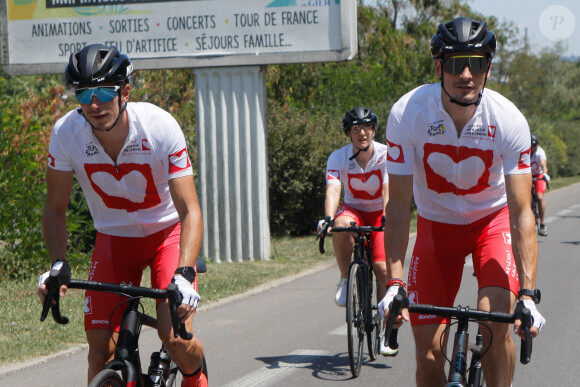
column 455, row 64
column 103, row 94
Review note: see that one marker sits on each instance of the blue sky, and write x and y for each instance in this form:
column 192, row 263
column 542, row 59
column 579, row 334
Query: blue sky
column 547, row 21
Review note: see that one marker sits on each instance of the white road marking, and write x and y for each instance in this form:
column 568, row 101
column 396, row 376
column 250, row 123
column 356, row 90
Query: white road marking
column 340, row 331
column 271, row 375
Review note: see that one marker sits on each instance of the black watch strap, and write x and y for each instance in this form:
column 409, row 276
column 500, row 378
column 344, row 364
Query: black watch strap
column 534, row 293
column 186, row 272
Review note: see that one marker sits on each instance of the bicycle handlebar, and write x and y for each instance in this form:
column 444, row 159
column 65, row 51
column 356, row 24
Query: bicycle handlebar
column 171, row 293
column 462, row 313
column 353, row 228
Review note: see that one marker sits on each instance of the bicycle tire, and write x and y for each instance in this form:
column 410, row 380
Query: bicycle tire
column 107, row 378
column 354, row 319
column 373, row 319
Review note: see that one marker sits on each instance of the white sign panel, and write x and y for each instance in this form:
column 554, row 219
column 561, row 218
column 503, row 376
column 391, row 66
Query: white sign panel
column 39, row 35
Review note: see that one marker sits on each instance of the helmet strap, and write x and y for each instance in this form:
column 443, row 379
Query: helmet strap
column 357, row 152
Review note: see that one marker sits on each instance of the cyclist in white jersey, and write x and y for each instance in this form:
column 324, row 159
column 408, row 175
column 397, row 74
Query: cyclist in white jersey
column 539, row 164
column 464, row 155
column 131, row 162
column 361, row 167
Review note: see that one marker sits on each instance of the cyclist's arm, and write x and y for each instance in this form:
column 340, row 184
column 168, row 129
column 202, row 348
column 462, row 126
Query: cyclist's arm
column 385, row 195
column 544, row 165
column 332, row 199
column 398, row 211
column 58, row 190
column 522, row 222
column 185, row 199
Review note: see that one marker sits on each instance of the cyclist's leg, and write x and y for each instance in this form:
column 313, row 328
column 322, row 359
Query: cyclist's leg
column 540, row 191
column 343, row 242
column 435, row 275
column 110, row 263
column 187, row 354
column 492, row 258
column 101, row 350
column 378, row 252
column 499, row 362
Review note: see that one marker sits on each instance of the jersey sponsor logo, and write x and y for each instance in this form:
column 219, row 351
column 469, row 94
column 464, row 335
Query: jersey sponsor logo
column 441, row 163
column 507, row 238
column 366, row 185
column 145, row 145
column 333, row 174
column 436, row 128
column 88, row 305
column 178, row 161
column 524, row 160
column 491, row 129
column 91, row 149
column 413, row 297
column 395, row 153
column 51, row 160
column 110, row 184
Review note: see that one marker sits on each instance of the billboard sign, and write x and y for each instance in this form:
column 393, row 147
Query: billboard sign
column 38, row 36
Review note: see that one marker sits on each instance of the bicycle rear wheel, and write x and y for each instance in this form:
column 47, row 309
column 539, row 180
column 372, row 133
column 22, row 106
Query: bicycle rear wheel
column 354, row 318
column 373, row 320
column 107, row 378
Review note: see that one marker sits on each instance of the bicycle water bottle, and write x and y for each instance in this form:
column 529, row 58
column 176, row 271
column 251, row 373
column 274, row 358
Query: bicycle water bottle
column 159, row 367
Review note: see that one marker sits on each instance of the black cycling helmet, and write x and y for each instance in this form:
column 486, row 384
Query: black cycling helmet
column 358, row 115
column 96, row 64
column 535, row 140
column 463, row 34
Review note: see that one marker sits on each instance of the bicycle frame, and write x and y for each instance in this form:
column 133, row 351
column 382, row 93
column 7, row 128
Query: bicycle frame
column 126, row 358
column 457, row 376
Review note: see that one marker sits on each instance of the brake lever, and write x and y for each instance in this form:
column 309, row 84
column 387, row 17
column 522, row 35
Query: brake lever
column 174, row 300
column 526, row 344
column 390, row 333
column 53, row 287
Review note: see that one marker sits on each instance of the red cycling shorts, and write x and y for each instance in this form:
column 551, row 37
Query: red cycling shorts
column 540, row 184
column 123, row 259
column 363, row 218
column 439, row 256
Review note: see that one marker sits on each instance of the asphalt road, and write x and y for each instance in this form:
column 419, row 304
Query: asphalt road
column 292, row 334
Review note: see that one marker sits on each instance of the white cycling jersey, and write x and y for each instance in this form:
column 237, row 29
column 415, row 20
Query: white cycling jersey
column 131, row 197
column 539, row 155
column 362, row 188
column 458, row 175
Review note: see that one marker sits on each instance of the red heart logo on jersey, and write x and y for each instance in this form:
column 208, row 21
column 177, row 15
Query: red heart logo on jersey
column 366, row 185
column 438, row 161
column 137, row 176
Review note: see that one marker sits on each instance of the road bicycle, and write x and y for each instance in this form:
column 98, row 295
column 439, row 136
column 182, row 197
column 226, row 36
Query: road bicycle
column 535, row 201
column 125, row 369
column 362, row 317
column 459, row 375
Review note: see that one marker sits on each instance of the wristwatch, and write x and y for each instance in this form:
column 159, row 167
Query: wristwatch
column 535, row 294
column 186, row 272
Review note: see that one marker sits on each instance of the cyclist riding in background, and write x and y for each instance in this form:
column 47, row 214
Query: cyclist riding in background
column 465, row 157
column 132, row 164
column 540, row 172
column 361, row 167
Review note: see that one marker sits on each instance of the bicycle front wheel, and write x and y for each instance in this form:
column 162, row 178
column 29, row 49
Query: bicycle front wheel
column 107, row 378
column 354, row 318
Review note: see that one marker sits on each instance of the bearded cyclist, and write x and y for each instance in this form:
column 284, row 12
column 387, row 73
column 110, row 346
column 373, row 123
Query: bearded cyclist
column 131, row 162
column 463, row 153
column 361, row 167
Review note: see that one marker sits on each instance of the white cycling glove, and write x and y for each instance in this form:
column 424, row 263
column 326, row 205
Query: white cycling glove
column 190, row 296
column 385, row 304
column 547, row 177
column 538, row 320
